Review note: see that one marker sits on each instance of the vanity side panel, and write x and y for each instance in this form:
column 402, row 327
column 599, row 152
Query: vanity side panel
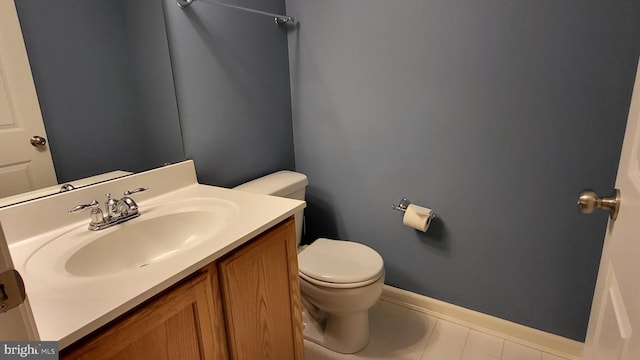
column 294, row 290
column 260, row 299
column 17, row 323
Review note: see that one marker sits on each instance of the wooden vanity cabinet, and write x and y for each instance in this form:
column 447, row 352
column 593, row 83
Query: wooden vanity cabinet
column 243, row 306
column 260, row 294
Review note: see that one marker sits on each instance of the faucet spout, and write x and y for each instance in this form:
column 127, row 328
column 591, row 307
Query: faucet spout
column 127, row 206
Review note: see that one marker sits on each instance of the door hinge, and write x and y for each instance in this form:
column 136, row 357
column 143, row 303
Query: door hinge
column 12, row 291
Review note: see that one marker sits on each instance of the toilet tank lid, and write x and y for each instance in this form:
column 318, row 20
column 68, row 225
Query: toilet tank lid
column 281, row 183
column 341, row 262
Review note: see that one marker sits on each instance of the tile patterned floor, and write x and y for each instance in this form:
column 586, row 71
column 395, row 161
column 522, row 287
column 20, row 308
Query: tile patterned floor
column 401, row 333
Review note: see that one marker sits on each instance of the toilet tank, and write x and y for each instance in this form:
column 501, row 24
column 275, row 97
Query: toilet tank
column 284, row 183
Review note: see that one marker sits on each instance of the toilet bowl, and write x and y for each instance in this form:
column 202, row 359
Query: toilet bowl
column 339, row 280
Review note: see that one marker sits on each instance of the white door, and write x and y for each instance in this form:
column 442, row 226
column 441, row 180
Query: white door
column 23, row 166
column 614, row 325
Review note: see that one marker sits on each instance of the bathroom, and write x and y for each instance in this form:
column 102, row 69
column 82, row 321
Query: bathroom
column 486, row 112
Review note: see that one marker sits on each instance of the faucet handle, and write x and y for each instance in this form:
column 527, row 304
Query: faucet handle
column 140, row 189
column 128, row 204
column 97, row 218
column 93, row 204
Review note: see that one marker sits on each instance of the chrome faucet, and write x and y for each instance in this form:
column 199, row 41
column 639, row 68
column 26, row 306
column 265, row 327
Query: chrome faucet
column 67, row 187
column 115, row 212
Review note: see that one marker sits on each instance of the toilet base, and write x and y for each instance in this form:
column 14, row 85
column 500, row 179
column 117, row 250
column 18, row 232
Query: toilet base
column 343, row 334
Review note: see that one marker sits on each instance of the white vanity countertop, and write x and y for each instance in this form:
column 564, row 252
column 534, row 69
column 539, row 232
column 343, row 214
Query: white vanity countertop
column 65, row 307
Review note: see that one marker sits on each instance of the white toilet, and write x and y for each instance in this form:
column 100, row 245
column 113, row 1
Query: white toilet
column 339, row 280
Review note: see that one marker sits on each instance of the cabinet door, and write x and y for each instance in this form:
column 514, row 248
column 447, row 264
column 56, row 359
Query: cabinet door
column 261, row 297
column 183, row 323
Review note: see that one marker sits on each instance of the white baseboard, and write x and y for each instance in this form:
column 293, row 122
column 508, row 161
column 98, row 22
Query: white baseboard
column 492, row 325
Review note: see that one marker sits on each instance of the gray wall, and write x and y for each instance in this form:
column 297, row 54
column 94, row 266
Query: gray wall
column 232, row 84
column 103, row 76
column 495, row 114
column 152, row 77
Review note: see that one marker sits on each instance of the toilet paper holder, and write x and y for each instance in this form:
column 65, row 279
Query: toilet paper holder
column 402, row 206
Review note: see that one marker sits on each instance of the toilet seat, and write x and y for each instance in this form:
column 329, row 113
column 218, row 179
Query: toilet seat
column 339, row 264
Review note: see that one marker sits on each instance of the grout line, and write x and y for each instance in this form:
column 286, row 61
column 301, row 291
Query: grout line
column 466, row 340
column 429, row 337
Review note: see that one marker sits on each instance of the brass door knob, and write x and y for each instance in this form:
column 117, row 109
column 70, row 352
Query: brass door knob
column 38, row 141
column 588, row 201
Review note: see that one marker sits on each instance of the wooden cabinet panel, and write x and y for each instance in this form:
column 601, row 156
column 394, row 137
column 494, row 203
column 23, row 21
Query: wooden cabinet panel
column 181, row 342
column 261, row 297
column 186, row 322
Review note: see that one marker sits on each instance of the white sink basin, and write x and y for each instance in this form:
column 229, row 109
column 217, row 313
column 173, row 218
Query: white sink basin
column 141, row 243
column 160, row 232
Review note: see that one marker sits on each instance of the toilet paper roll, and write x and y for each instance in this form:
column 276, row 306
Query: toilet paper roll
column 417, row 217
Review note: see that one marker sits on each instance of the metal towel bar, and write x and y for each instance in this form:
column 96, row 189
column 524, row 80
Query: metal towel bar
column 279, row 19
